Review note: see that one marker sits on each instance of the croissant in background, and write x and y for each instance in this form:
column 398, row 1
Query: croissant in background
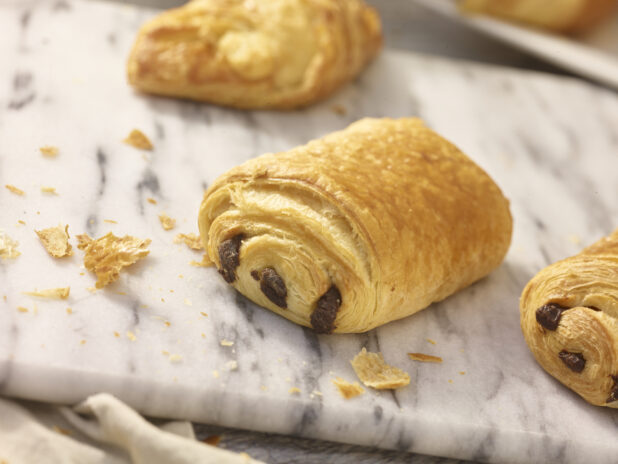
column 356, row 229
column 255, row 53
column 569, row 317
column 568, row 16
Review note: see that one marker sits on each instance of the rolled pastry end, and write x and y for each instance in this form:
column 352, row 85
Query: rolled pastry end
column 569, row 316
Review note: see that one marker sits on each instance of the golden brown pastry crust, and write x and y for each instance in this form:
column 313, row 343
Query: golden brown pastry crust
column 386, row 212
column 568, row 16
column 255, row 53
column 569, row 314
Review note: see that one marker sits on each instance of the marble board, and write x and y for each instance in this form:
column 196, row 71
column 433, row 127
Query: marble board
column 154, row 337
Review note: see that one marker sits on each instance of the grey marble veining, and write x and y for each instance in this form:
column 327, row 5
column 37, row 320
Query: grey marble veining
column 550, row 143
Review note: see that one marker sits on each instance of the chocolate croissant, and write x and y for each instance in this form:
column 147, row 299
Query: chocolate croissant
column 570, row 16
column 356, row 229
column 569, row 317
column 255, row 53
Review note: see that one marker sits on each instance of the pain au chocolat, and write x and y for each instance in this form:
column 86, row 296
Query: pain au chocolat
column 569, row 317
column 356, row 229
column 255, row 53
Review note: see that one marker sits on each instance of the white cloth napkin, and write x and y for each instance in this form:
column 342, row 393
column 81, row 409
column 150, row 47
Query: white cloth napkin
column 112, row 433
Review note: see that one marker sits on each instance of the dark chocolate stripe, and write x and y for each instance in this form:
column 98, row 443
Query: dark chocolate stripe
column 273, row 286
column 549, row 315
column 325, row 312
column 229, row 257
column 574, row 361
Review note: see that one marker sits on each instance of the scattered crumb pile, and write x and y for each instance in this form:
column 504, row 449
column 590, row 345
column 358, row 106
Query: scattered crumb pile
column 56, row 241
column 167, row 222
column 61, row 293
column 107, row 255
column 424, row 358
column 193, row 241
column 8, row 246
column 348, row 390
column 375, row 373
column 137, row 139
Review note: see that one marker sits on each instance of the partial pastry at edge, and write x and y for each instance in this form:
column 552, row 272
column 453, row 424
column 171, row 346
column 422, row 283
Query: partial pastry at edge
column 255, row 54
column 569, row 314
column 571, row 16
column 356, row 229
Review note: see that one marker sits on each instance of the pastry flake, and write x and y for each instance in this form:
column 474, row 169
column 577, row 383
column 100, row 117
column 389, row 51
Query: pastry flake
column 108, row 255
column 193, row 241
column 137, row 139
column 60, row 293
column 255, row 54
column 56, row 241
column 348, row 390
column 49, row 151
column 15, row 190
column 167, row 222
column 8, row 246
column 424, row 357
column 375, row 373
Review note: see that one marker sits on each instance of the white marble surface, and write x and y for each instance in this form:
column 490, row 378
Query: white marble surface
column 550, row 143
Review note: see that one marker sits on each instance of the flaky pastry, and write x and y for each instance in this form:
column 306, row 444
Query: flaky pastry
column 569, row 16
column 569, row 317
column 255, row 53
column 356, row 229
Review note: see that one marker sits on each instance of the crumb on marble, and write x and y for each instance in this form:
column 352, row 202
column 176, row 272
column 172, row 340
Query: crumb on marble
column 462, row 372
column 433, row 342
column 82, row 342
column 188, row 302
column 138, row 139
column 263, row 387
column 450, row 380
column 215, row 374
column 19, row 221
column 167, row 323
column 203, row 335
column 165, row 352
column 108, row 255
column 231, row 365
column 91, row 289
column 22, row 309
column 180, row 276
column 206, row 262
column 316, row 393
column 424, row 358
column 110, row 221
column 116, row 334
column 60, row 293
column 131, row 336
column 294, row 391
column 373, row 371
column 49, row 151
column 167, row 222
column 56, row 241
column 69, row 311
column 193, row 241
column 348, row 390
column 49, row 190
column 8, row 246
column 152, row 201
column 175, row 358
column 212, row 440
column 226, row 343
column 15, row 190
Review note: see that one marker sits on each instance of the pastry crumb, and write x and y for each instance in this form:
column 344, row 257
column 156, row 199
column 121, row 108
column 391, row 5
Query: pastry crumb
column 56, row 241
column 424, row 357
column 107, row 255
column 316, row 393
column 15, row 190
column 131, row 336
column 373, row 371
column 137, row 139
column 167, row 323
column 294, row 391
column 175, row 358
column 69, row 311
column 116, row 334
column 49, row 151
column 8, row 246
column 167, row 222
column 433, row 342
column 22, row 309
column 193, row 241
column 348, row 390
column 188, row 302
column 206, row 262
column 263, row 387
column 49, row 190
column 226, row 343
column 61, row 293
column 450, row 380
column 203, row 314
column 151, row 200
column 231, row 365
column 215, row 374
column 82, row 342
column 110, row 221
column 19, row 221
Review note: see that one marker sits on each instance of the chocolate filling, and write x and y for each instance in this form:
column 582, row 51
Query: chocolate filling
column 613, row 394
column 273, row 286
column 574, row 361
column 325, row 312
column 549, row 315
column 255, row 274
column 229, row 257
